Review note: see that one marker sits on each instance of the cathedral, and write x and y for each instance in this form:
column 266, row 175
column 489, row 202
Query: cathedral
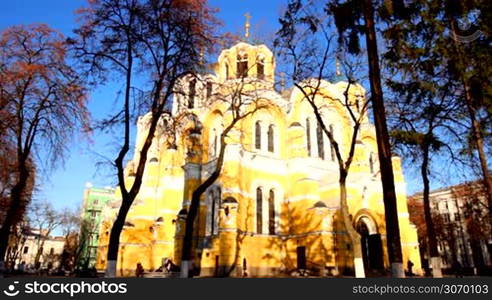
column 275, row 208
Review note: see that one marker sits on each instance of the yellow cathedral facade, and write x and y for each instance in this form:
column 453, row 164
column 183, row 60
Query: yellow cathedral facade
column 275, row 208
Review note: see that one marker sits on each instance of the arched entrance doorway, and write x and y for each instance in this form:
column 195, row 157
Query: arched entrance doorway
column 372, row 247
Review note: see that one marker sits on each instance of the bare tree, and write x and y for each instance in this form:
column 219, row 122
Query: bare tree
column 70, row 225
column 17, row 241
column 304, row 41
column 161, row 37
column 44, row 219
column 43, row 102
column 239, row 99
column 354, row 18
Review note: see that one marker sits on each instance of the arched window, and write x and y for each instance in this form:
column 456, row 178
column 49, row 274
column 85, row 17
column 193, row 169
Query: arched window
column 213, row 214
column 259, row 212
column 371, row 163
column 308, row 136
column 191, row 93
column 271, row 213
column 215, row 143
column 257, row 135
column 260, row 68
column 332, row 149
column 242, row 65
column 153, row 160
column 321, row 144
column 271, row 147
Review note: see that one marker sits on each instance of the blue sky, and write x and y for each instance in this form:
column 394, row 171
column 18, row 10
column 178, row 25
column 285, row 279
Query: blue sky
column 64, row 186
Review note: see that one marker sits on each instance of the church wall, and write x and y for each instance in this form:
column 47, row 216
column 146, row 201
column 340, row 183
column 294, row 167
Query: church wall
column 305, row 186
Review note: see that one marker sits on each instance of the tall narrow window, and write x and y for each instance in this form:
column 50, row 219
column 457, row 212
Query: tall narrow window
column 215, row 144
column 259, row 212
column 271, row 213
column 260, row 68
column 257, row 135
column 212, row 214
column 332, row 149
column 209, row 89
column 213, row 148
column 321, row 144
column 191, row 93
column 242, row 65
column 227, row 71
column 308, row 136
column 371, row 163
column 270, row 139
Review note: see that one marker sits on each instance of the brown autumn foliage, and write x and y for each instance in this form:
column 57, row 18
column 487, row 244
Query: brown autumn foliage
column 472, row 214
column 42, row 102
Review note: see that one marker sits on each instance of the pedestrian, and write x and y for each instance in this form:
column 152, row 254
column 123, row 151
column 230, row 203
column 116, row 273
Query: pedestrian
column 140, row 270
column 410, row 268
column 458, row 270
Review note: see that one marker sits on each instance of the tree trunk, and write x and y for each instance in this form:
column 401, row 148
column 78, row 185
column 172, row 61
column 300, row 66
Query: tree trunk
column 189, row 228
column 352, row 233
column 478, row 140
column 435, row 259
column 39, row 252
column 17, row 205
column 126, row 197
column 477, row 135
column 384, row 149
column 114, row 237
column 195, row 204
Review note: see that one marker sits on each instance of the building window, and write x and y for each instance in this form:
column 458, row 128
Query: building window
column 95, row 202
column 271, row 213
column 445, row 217
column 227, row 71
column 214, row 149
column 209, row 89
column 215, row 144
column 191, row 93
column 371, row 163
column 242, row 65
column 270, row 138
column 259, row 212
column 93, row 213
column 212, row 214
column 332, row 149
column 257, row 135
column 260, row 68
column 457, row 216
column 52, row 251
column 308, row 136
column 321, row 145
column 26, row 249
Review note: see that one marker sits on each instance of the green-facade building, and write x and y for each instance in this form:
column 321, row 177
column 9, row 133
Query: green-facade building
column 93, row 203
